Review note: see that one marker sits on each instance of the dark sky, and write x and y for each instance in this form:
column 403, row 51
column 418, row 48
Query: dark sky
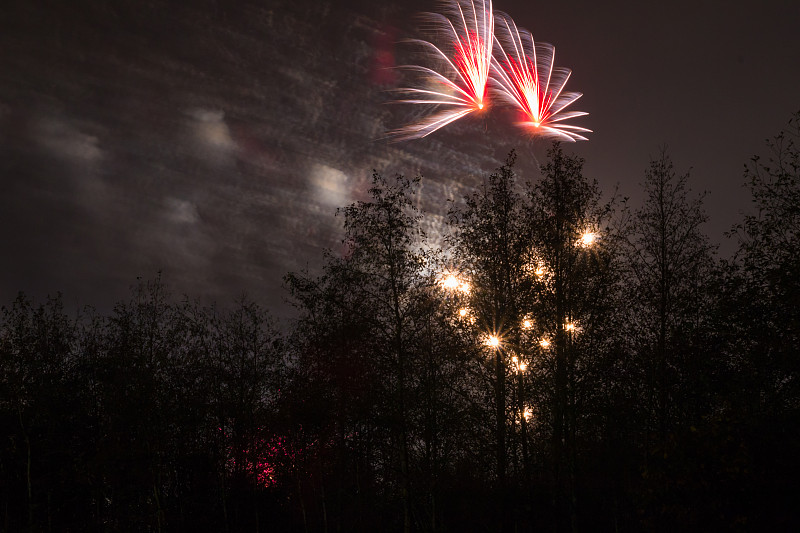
column 214, row 140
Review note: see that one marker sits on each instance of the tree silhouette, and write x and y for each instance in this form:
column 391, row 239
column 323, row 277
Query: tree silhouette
column 490, row 242
column 562, row 364
column 573, row 295
column 669, row 260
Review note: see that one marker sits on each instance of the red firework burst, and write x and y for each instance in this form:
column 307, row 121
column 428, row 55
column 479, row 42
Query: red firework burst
column 458, row 87
column 525, row 76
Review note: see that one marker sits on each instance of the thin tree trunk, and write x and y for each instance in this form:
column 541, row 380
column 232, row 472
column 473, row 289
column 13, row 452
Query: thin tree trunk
column 500, row 401
column 27, row 470
column 302, row 502
column 523, row 424
column 324, row 504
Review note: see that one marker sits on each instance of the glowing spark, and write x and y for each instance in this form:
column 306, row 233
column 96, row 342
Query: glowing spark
column 588, row 239
column 537, row 268
column 527, row 324
column 460, row 85
column 450, row 282
column 544, row 343
column 526, row 78
column 462, row 312
column 523, row 366
column 569, row 326
column 527, row 413
column 514, row 359
column 492, row 341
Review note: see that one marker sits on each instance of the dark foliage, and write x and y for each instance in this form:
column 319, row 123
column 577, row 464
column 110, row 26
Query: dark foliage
column 665, row 398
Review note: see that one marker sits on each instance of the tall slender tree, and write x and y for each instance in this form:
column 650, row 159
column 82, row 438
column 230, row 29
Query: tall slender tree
column 491, row 240
column 567, row 221
column 382, row 275
column 767, row 263
column 669, row 262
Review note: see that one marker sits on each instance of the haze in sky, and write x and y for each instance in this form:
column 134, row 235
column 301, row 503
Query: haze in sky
column 214, row 142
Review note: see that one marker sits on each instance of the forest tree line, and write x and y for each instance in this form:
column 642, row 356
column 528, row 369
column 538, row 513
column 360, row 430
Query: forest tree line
column 560, row 363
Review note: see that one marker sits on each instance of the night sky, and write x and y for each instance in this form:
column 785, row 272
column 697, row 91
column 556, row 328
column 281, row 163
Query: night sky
column 214, row 140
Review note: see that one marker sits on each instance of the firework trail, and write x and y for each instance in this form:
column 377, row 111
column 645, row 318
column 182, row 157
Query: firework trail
column 525, row 77
column 458, row 87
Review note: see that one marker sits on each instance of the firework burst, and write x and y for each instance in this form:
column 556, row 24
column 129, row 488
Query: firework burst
column 525, row 77
column 458, row 86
